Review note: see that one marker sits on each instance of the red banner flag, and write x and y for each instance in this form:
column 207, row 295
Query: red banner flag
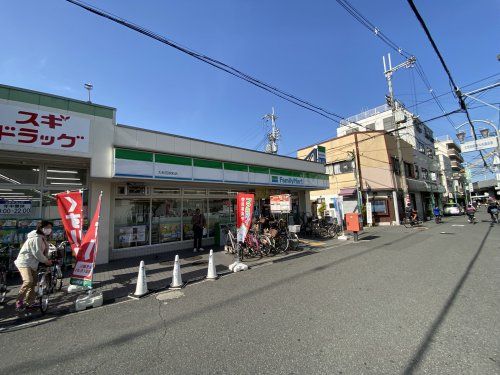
column 244, row 214
column 70, row 207
column 85, row 260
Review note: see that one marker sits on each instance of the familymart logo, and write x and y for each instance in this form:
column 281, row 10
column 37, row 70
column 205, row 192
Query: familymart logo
column 287, row 180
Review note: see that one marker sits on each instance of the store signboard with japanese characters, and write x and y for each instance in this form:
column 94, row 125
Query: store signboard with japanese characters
column 45, row 130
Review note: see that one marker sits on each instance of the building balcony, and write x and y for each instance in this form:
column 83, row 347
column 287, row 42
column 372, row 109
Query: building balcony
column 456, row 165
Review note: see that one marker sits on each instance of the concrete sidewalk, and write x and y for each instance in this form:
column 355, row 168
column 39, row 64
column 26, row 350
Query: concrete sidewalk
column 117, row 279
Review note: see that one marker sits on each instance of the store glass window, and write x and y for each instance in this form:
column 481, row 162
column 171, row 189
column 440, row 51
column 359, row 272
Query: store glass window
column 163, row 191
column 50, row 212
column 380, row 207
column 20, row 212
column 220, row 211
column 71, row 177
column 166, row 220
column 131, row 222
column 189, row 207
column 197, row 192
column 17, row 174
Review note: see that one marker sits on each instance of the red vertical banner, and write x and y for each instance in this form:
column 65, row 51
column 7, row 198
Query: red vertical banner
column 70, row 207
column 244, row 214
column 85, row 260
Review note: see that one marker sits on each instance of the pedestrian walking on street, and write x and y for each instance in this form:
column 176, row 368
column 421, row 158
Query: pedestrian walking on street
column 199, row 223
column 33, row 252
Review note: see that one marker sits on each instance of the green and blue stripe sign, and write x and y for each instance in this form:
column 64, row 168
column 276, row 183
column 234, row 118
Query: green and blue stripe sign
column 143, row 164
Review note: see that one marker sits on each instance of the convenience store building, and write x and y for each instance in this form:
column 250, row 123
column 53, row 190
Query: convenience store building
column 151, row 182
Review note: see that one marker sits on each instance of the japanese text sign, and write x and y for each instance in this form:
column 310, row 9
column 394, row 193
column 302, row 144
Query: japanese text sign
column 280, row 203
column 35, row 128
column 85, row 259
column 70, row 209
column 244, row 214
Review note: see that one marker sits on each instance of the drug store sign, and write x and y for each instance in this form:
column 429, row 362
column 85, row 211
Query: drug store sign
column 45, row 130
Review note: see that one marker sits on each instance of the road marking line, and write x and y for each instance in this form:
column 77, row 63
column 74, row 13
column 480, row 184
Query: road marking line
column 458, row 225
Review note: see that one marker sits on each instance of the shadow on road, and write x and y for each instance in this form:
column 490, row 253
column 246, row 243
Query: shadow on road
column 88, row 350
column 417, row 358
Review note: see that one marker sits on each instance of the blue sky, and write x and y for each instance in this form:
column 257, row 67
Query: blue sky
column 314, row 50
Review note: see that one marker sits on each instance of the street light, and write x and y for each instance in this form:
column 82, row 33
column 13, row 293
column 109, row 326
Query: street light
column 89, row 87
column 484, row 132
column 461, row 136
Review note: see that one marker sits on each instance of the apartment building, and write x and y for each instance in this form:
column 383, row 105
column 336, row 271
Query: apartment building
column 370, row 135
column 450, row 160
column 363, row 168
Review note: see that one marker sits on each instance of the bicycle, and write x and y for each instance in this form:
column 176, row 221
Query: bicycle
column 50, row 278
column 4, row 269
column 293, row 239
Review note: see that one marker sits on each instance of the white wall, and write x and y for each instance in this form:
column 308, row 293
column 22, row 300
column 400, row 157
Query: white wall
column 135, row 138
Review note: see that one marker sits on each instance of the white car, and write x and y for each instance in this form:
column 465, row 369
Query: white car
column 451, row 209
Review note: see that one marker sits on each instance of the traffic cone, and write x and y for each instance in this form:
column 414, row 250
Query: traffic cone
column 212, row 272
column 176, row 275
column 141, row 288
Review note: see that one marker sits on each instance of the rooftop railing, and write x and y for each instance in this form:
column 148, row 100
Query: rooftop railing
column 361, row 116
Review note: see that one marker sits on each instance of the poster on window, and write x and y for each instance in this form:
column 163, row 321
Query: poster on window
column 131, row 234
column 281, row 204
column 244, row 214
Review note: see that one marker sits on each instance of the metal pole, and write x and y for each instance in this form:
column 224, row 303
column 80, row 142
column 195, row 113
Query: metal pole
column 388, row 75
column 356, row 175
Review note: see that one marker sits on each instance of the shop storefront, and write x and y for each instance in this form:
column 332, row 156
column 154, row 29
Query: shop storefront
column 151, row 182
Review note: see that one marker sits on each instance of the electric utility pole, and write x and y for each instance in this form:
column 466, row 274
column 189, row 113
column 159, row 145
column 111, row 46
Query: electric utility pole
column 273, row 135
column 392, row 102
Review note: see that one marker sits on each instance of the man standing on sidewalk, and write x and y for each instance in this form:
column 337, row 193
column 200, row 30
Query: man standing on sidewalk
column 199, row 223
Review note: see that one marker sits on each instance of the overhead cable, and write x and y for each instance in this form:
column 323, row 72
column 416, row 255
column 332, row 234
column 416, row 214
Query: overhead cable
column 217, row 64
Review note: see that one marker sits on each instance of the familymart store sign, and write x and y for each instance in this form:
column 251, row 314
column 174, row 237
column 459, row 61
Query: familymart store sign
column 141, row 164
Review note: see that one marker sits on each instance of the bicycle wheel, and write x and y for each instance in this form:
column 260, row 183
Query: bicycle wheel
column 59, row 283
column 282, row 243
column 293, row 241
column 332, row 231
column 265, row 245
column 3, row 285
column 43, row 296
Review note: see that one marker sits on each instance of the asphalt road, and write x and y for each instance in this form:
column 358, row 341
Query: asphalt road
column 405, row 301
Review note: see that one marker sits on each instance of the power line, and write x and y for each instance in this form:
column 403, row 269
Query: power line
column 451, row 92
column 393, row 45
column 216, row 64
column 458, row 93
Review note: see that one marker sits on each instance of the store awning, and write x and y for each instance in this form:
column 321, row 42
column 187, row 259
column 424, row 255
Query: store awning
column 347, row 191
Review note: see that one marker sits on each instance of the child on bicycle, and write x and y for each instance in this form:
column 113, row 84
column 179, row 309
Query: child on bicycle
column 32, row 253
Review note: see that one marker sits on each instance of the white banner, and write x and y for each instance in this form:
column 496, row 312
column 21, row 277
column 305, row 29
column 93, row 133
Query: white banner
column 480, row 144
column 50, row 130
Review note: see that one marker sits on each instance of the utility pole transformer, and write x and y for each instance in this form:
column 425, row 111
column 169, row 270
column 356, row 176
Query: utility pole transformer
column 273, row 135
column 397, row 119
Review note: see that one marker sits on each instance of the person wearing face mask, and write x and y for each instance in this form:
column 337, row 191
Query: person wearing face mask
column 32, row 253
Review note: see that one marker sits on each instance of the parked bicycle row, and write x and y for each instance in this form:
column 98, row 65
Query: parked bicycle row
column 265, row 238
